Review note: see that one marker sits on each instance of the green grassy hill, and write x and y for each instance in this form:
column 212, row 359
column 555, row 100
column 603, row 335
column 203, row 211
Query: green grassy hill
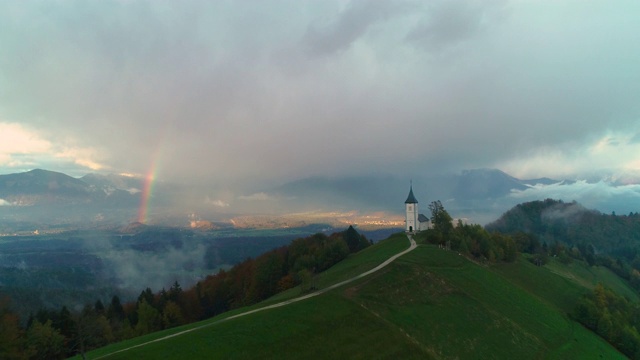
column 428, row 304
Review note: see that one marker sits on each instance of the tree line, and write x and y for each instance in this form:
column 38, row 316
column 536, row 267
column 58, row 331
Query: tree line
column 57, row 334
column 613, row 317
column 470, row 240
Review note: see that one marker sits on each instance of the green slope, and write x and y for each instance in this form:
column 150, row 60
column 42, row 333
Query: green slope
column 430, row 303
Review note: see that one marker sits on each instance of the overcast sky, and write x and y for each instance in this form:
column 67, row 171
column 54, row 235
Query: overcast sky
column 270, row 91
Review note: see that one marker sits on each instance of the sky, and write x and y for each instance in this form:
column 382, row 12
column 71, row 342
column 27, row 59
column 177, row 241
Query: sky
column 264, row 92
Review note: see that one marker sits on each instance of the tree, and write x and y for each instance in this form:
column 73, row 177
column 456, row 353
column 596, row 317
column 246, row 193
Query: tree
column 287, row 282
column 268, row 271
column 92, row 330
column 147, row 295
column 464, row 248
column 353, row 239
column 175, row 292
column 440, row 218
column 99, row 307
column 115, row 310
column 44, row 342
column 335, row 249
column 148, row 319
column 67, row 327
column 305, row 277
column 172, row 315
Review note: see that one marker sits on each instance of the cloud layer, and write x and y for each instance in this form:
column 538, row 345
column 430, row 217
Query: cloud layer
column 232, row 93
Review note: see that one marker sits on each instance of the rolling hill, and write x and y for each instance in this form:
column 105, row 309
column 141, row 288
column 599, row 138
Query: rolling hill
column 428, row 304
column 571, row 223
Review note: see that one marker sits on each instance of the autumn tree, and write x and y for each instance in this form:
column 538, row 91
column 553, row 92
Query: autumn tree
column 268, row 271
column 11, row 339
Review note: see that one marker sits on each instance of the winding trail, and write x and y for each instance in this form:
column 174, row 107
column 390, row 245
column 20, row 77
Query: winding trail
column 277, row 305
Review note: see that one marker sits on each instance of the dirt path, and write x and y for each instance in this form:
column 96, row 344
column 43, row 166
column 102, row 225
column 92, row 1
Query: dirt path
column 280, row 304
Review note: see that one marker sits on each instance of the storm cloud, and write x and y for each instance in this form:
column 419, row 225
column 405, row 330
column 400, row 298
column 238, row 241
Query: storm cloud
column 255, row 92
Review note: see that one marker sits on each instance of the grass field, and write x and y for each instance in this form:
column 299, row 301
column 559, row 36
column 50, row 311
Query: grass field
column 430, row 303
column 461, row 310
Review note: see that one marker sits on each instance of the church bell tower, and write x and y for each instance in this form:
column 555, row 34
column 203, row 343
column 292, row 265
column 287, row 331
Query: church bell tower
column 411, row 216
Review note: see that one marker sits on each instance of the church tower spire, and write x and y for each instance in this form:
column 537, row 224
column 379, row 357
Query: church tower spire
column 411, row 211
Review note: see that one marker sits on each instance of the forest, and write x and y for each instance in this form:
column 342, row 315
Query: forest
column 60, row 333
column 75, row 267
column 570, row 232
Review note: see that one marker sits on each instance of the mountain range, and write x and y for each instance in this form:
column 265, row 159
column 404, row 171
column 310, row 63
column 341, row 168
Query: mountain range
column 479, row 194
column 42, row 187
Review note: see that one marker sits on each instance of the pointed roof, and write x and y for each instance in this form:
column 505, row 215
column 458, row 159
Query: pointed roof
column 411, row 199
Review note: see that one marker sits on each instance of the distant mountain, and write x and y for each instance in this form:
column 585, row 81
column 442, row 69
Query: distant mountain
column 485, row 184
column 38, row 186
column 480, row 195
column 345, row 192
column 383, row 192
column 43, row 187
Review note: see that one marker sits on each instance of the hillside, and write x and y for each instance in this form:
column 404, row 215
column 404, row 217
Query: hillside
column 430, row 303
column 572, row 224
column 569, row 230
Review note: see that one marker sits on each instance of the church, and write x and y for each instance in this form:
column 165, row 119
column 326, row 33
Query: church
column 414, row 221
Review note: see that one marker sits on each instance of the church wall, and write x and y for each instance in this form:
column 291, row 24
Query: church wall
column 411, row 217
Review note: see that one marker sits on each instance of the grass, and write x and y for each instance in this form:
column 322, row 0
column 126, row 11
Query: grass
column 458, row 309
column 355, row 264
column 430, row 303
column 323, row 327
column 589, row 276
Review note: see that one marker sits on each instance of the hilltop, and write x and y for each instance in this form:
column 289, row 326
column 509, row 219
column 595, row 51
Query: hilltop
column 569, row 230
column 573, row 224
column 430, row 303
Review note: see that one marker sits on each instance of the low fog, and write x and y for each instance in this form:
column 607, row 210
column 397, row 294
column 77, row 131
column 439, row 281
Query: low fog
column 134, row 267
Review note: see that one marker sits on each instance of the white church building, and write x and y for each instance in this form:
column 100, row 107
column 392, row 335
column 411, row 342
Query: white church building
column 414, row 221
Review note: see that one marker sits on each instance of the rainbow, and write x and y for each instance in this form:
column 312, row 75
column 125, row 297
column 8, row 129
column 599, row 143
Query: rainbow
column 147, row 188
column 151, row 175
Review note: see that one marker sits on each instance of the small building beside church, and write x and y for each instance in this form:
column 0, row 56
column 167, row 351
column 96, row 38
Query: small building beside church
column 414, row 221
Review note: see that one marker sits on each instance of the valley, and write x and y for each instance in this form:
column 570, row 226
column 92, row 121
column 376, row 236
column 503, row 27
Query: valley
column 73, row 268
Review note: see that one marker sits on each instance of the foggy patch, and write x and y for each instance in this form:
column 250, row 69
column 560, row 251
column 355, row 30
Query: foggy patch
column 136, row 270
column 155, row 261
column 216, row 202
column 600, row 195
column 563, row 211
column 261, row 196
